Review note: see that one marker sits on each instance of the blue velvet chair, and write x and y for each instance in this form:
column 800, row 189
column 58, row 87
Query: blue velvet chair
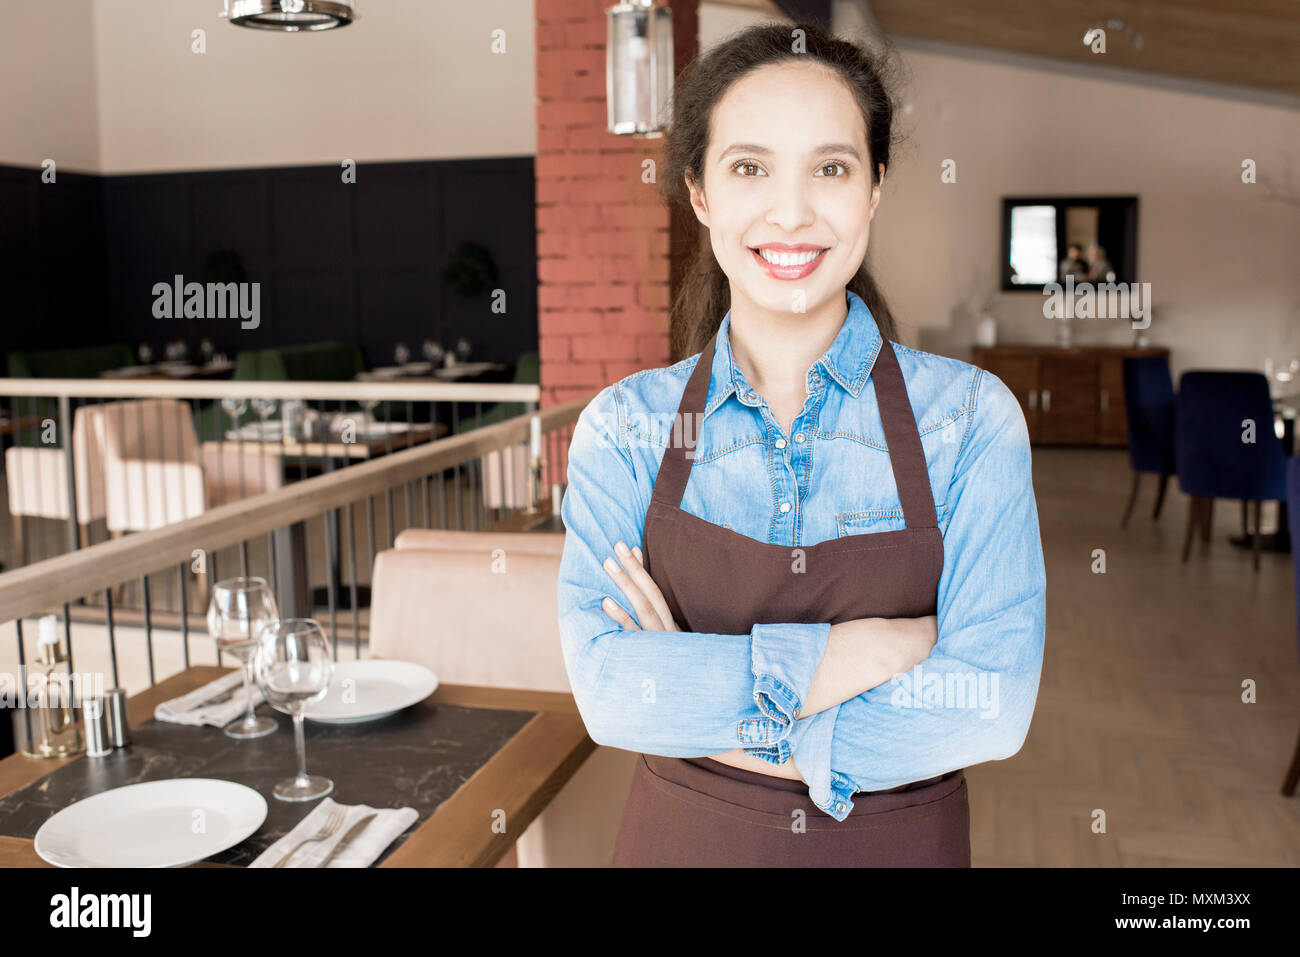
column 1293, row 506
column 1149, row 409
column 1212, row 417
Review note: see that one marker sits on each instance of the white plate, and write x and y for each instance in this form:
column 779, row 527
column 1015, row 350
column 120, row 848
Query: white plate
column 371, row 689
column 152, row 824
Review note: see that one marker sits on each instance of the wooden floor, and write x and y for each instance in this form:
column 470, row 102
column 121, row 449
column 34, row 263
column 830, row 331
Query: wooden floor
column 1140, row 712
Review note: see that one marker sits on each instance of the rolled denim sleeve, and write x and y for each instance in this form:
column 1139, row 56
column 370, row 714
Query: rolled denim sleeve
column 672, row 693
column 972, row 700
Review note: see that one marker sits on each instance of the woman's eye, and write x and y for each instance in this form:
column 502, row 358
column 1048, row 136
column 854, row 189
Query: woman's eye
column 826, row 166
column 743, row 164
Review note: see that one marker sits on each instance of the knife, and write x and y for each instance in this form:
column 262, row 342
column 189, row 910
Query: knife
column 347, row 838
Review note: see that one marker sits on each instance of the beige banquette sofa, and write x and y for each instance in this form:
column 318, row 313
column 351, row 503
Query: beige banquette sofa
column 437, row 600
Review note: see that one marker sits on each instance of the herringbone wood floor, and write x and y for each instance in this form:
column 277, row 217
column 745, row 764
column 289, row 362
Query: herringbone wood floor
column 1140, row 712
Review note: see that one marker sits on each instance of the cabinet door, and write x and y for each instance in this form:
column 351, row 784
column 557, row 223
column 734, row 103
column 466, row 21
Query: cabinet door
column 1020, row 375
column 1112, row 425
column 1068, row 400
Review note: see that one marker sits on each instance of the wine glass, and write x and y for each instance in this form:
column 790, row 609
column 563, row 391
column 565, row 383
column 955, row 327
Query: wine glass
column 433, row 352
column 235, row 408
column 401, row 354
column 294, row 664
column 1282, row 373
column 462, row 348
column 240, row 609
column 265, row 408
column 145, row 354
column 206, row 350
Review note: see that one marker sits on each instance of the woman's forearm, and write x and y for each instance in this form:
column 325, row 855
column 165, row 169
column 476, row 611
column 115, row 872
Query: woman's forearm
column 860, row 655
column 865, row 653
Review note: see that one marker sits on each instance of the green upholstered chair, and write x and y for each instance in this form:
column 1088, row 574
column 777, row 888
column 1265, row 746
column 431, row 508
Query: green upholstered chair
column 528, row 370
column 82, row 362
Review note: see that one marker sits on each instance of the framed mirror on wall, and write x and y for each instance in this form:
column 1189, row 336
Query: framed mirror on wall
column 1049, row 238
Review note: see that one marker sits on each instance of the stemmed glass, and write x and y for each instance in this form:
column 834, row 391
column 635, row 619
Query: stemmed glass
column 294, row 664
column 463, row 349
column 235, row 408
column 264, row 408
column 401, row 354
column 1282, row 373
column 240, row 610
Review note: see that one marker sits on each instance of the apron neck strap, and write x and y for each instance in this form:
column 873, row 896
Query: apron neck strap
column 906, row 456
column 675, row 467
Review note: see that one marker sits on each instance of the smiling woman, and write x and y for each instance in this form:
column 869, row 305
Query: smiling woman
column 824, row 511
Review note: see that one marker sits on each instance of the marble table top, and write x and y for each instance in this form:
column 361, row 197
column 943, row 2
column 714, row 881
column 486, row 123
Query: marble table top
column 415, row 758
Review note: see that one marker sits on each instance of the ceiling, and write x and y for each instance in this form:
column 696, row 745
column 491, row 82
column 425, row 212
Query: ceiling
column 1249, row 43
column 1253, row 44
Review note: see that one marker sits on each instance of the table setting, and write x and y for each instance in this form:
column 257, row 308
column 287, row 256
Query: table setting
column 204, row 781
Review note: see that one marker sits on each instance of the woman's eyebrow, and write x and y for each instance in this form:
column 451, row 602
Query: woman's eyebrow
column 764, row 151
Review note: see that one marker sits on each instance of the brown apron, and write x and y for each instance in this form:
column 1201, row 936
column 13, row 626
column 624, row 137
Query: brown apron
column 700, row 812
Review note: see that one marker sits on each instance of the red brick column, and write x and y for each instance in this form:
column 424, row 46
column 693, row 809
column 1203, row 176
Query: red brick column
column 602, row 233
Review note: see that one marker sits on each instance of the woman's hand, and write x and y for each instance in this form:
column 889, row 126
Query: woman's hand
column 641, row 592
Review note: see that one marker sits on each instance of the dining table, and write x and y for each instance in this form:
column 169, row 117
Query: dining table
column 302, row 456
column 464, row 757
column 172, row 370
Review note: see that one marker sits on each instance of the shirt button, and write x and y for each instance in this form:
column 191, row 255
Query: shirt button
column 798, row 436
column 785, row 507
column 840, row 807
column 780, row 443
column 749, row 395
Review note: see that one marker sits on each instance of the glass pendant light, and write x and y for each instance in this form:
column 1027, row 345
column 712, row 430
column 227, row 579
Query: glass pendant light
column 638, row 67
column 291, row 16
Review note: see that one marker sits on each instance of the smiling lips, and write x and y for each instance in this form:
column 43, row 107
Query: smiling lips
column 788, row 261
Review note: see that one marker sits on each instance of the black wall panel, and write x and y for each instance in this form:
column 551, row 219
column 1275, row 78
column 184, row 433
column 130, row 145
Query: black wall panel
column 356, row 261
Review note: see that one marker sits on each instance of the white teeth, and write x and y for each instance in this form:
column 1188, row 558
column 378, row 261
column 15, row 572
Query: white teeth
column 789, row 259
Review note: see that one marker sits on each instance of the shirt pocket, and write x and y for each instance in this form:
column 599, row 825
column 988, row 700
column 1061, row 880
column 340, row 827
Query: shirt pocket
column 872, row 520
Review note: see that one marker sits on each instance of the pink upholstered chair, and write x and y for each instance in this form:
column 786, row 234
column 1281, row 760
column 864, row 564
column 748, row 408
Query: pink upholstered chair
column 37, row 478
column 505, row 477
column 156, row 473
column 152, row 473
column 479, row 608
column 235, row 470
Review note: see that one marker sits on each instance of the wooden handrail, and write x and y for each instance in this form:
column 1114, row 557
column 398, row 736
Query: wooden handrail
column 253, row 388
column 64, row 578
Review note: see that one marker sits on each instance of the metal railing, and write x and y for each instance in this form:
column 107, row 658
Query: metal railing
column 280, row 518
column 225, row 431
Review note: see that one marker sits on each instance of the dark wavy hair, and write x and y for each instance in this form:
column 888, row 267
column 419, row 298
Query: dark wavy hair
column 704, row 296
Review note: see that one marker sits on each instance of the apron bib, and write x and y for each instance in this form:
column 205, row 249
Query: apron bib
column 699, row 812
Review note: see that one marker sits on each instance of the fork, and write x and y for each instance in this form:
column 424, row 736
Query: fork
column 331, row 825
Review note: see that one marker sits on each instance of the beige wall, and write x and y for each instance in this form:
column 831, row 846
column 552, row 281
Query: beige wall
column 411, row 79
column 47, row 73
column 1221, row 257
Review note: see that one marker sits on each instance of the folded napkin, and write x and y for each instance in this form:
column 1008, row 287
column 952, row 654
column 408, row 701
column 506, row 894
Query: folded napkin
column 384, row 828
column 190, row 708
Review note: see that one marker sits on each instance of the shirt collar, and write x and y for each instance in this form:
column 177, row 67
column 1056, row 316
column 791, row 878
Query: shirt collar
column 848, row 361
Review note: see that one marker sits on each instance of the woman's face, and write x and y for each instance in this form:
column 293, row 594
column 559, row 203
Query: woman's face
column 787, row 166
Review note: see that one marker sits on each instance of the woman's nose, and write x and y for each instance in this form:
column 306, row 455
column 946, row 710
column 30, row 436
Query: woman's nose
column 790, row 207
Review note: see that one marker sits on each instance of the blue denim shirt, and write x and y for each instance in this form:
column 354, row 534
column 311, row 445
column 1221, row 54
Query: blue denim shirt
column 688, row 694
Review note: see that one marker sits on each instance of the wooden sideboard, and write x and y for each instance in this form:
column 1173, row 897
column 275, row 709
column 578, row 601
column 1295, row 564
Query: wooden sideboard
column 1070, row 396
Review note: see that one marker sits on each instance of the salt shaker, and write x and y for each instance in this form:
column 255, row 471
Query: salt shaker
column 96, row 717
column 119, row 729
